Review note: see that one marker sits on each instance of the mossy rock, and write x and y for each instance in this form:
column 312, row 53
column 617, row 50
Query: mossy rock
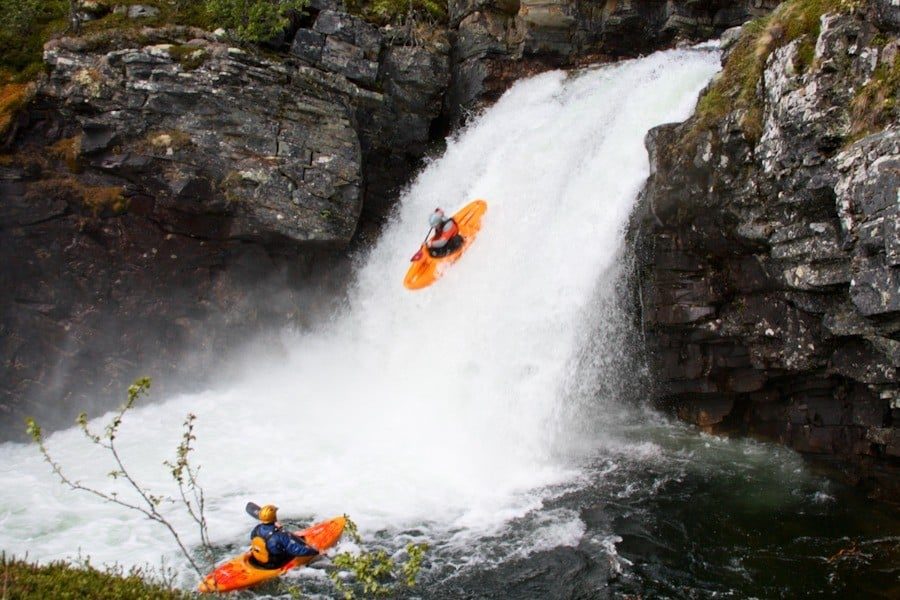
column 876, row 103
column 188, row 56
column 736, row 87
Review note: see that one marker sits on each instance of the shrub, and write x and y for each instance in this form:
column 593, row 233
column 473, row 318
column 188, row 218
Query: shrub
column 143, row 501
column 253, row 20
column 25, row 26
column 399, row 11
column 374, row 573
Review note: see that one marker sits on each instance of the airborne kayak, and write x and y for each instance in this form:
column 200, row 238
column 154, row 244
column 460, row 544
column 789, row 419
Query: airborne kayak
column 427, row 269
column 240, row 572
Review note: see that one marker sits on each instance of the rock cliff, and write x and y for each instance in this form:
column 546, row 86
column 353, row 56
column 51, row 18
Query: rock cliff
column 166, row 194
column 769, row 271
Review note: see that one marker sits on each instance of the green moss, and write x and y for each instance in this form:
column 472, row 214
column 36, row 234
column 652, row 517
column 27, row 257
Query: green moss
column 736, row 87
column 189, row 57
column 20, row 580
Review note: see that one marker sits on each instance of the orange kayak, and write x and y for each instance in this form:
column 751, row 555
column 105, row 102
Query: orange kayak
column 240, row 572
column 427, row 269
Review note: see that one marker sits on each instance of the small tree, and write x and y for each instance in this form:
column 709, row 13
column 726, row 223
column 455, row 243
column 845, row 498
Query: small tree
column 149, row 504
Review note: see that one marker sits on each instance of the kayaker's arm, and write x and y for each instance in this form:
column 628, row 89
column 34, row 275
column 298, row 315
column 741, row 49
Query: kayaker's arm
column 431, row 238
column 295, row 547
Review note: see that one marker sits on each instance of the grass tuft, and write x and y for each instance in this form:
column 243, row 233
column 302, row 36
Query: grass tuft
column 20, row 580
column 68, row 150
column 876, row 103
column 382, row 12
column 189, row 57
column 13, row 97
column 100, row 199
column 736, row 87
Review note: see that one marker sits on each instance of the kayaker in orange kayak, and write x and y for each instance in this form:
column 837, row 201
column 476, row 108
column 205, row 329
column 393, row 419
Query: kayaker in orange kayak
column 444, row 236
column 271, row 546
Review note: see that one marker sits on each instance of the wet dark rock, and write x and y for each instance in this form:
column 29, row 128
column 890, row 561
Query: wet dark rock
column 768, row 269
column 187, row 191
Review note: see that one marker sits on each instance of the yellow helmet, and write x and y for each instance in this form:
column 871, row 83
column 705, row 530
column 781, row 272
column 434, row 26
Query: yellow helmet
column 268, row 513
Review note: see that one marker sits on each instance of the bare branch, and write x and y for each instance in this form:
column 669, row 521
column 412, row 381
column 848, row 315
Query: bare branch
column 149, row 507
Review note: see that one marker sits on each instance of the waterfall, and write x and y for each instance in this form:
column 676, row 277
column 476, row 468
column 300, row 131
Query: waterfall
column 441, row 414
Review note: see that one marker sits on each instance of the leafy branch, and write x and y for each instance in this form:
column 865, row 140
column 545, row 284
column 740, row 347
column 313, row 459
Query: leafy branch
column 375, row 572
column 183, row 473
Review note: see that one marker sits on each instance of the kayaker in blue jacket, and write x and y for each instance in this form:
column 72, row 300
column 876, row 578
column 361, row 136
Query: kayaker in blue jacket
column 271, row 546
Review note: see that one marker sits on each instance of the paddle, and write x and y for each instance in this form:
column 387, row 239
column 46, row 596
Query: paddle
column 418, row 254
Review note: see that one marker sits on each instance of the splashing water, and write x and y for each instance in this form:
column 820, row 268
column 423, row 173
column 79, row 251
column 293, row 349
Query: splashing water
column 446, row 411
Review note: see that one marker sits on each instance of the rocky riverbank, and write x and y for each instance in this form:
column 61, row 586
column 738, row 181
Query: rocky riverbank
column 768, row 242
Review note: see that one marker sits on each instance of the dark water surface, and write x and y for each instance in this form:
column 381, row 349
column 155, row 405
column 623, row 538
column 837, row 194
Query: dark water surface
column 695, row 516
column 671, row 513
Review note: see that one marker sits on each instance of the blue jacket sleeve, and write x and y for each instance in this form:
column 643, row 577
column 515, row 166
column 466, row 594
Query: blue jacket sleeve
column 293, row 546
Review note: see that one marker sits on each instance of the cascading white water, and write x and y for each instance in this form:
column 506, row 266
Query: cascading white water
column 440, row 410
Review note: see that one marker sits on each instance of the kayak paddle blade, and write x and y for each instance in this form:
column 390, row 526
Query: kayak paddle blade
column 252, row 509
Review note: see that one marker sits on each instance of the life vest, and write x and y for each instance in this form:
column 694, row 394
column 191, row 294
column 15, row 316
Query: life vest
column 448, row 231
column 258, row 550
column 259, row 544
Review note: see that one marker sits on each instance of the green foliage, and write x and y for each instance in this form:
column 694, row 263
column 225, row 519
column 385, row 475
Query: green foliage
column 253, row 20
column 374, row 573
column 24, row 27
column 383, row 12
column 20, row 580
column 27, row 24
